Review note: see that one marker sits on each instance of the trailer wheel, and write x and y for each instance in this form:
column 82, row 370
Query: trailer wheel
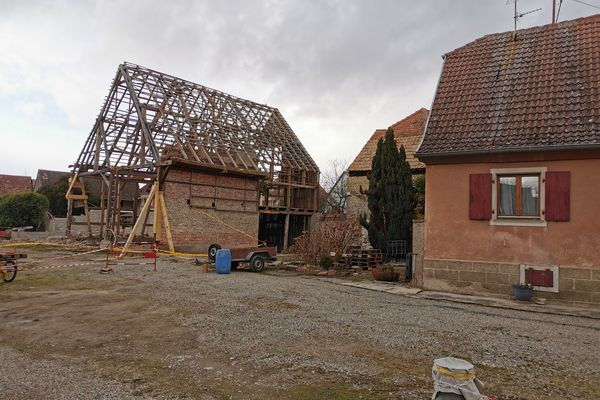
column 212, row 251
column 257, row 263
column 9, row 271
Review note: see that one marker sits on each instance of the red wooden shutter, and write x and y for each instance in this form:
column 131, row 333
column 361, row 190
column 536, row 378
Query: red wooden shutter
column 480, row 196
column 536, row 277
column 558, row 196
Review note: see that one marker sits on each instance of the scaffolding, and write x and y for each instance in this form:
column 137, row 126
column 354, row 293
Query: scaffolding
column 151, row 122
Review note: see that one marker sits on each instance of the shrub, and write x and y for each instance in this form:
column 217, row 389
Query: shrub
column 390, row 195
column 26, row 209
column 325, row 261
column 330, row 235
column 58, row 202
column 56, row 196
column 419, row 185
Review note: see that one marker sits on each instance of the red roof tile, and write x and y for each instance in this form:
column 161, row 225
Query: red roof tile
column 13, row 184
column 540, row 91
column 408, row 132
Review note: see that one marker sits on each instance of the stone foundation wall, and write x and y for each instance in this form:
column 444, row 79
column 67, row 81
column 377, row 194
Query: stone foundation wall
column 576, row 284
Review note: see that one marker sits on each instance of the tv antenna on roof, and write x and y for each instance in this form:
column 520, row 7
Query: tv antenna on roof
column 519, row 15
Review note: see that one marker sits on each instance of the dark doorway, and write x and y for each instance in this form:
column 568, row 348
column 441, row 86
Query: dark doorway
column 271, row 228
column 298, row 224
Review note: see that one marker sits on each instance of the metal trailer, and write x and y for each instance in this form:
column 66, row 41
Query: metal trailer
column 255, row 257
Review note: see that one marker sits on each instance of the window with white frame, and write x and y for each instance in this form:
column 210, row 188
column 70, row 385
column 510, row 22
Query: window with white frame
column 518, row 196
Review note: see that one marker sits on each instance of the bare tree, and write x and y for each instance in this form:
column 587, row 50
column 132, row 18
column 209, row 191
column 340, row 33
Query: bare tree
column 334, row 180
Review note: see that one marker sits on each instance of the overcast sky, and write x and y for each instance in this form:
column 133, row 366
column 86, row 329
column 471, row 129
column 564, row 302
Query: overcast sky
column 337, row 70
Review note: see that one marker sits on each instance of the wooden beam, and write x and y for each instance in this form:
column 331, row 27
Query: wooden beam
column 157, row 219
column 286, row 231
column 165, row 220
column 140, row 219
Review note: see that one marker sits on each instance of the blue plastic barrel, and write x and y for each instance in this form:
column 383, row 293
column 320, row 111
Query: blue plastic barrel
column 223, row 261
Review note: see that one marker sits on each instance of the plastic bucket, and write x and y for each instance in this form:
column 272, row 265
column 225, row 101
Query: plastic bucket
column 223, row 261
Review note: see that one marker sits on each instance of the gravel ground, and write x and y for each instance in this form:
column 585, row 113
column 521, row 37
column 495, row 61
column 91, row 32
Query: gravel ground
column 24, row 377
column 281, row 335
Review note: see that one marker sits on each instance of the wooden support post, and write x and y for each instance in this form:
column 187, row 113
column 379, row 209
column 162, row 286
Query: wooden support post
column 165, row 221
column 69, row 217
column 102, row 234
column 142, row 216
column 157, row 219
column 86, row 209
column 286, row 231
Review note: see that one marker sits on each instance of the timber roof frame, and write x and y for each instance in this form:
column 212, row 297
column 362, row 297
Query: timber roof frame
column 151, row 118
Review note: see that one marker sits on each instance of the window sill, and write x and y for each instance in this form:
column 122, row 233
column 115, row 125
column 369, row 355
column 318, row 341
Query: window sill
column 518, row 222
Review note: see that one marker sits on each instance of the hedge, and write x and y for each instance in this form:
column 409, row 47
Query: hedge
column 25, row 209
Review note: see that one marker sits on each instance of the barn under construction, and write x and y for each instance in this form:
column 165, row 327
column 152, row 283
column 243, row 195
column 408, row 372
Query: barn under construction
column 208, row 167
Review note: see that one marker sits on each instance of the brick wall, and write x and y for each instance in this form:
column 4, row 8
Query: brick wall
column 204, row 208
column 576, row 285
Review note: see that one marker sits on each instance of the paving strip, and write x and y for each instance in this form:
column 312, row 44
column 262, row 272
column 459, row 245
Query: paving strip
column 397, row 289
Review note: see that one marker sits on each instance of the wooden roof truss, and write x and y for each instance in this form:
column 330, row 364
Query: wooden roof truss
column 150, row 117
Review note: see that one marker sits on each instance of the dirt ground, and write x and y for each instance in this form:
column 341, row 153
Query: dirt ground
column 178, row 333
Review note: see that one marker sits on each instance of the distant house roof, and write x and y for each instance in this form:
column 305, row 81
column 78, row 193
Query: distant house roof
column 93, row 184
column 13, row 184
column 408, row 132
column 538, row 92
column 47, row 177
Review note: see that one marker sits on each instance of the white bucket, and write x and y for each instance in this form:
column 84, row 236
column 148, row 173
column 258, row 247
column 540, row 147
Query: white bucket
column 453, row 375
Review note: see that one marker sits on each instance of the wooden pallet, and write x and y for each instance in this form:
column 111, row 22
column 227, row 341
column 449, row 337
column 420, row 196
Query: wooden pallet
column 365, row 258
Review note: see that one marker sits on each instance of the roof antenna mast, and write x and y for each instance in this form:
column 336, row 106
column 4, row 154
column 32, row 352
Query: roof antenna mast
column 519, row 15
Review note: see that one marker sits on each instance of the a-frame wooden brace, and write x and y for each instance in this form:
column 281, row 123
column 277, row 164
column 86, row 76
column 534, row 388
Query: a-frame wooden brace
column 160, row 220
column 75, row 182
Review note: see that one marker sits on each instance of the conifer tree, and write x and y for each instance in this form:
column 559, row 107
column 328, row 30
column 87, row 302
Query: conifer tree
column 390, row 194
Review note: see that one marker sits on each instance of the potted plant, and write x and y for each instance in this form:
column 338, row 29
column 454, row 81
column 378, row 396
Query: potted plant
column 385, row 273
column 522, row 291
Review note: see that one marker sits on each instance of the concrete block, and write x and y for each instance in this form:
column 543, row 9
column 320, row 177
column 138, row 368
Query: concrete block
column 497, row 278
column 575, row 273
column 446, row 275
column 497, row 288
column 428, row 272
column 587, row 285
column 436, row 264
column 566, row 284
column 471, row 276
column 485, row 267
column 508, row 268
column 575, row 296
column 459, row 266
column 596, row 275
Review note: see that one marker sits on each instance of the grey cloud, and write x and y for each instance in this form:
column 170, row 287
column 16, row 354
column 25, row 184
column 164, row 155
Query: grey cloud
column 336, row 69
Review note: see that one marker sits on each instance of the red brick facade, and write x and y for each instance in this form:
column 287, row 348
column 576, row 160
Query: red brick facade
column 207, row 208
column 13, row 184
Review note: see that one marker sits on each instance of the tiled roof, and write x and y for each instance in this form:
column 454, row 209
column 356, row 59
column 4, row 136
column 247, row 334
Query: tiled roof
column 47, row 177
column 13, row 184
column 539, row 91
column 408, row 132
